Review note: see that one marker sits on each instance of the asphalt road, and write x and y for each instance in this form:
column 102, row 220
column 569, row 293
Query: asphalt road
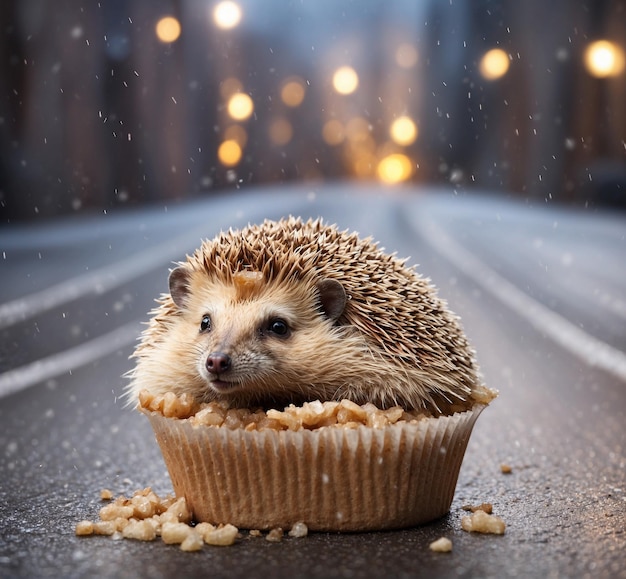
column 542, row 295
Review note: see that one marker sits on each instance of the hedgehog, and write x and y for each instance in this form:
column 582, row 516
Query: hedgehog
column 291, row 311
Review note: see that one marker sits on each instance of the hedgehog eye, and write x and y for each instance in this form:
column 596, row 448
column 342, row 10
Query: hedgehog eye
column 278, row 327
column 205, row 324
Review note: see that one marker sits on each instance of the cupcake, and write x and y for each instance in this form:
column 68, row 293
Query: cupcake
column 336, row 466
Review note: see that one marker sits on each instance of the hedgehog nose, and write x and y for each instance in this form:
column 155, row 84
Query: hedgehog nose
column 218, row 362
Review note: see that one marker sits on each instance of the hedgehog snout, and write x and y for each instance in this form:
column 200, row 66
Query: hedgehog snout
column 218, row 362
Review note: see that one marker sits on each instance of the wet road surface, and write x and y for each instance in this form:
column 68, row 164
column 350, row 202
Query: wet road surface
column 542, row 295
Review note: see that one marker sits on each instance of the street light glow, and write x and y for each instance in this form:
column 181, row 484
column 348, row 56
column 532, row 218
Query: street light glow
column 240, row 106
column 227, row 14
column 345, row 80
column 229, row 153
column 167, row 29
column 394, row 168
column 494, row 64
column 403, row 131
column 604, row 59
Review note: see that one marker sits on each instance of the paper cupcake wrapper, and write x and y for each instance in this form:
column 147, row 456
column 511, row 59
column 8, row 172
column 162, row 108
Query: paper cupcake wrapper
column 333, row 479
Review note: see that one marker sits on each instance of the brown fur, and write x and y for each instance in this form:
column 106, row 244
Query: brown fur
column 389, row 340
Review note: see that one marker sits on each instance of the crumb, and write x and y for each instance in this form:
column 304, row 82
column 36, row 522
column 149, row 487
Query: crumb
column 114, row 511
column 441, row 545
column 311, row 415
column 175, row 533
column 192, row 542
column 506, row 468
column 222, row 536
column 106, row 495
column 275, row 535
column 84, row 528
column 299, row 529
column 146, row 516
column 104, row 528
column 481, row 522
column 486, row 507
column 204, row 529
column 255, row 533
column 139, row 530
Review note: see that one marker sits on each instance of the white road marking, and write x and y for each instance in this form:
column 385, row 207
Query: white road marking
column 68, row 360
column 98, row 281
column 95, row 282
column 587, row 348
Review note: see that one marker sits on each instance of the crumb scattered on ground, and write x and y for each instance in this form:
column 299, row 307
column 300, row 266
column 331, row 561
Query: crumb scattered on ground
column 275, row 535
column 146, row 516
column 486, row 507
column 299, row 530
column 481, row 522
column 441, row 545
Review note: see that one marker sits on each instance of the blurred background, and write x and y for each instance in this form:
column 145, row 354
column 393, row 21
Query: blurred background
column 123, row 102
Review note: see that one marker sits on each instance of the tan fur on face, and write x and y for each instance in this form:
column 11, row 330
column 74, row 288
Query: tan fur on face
column 394, row 343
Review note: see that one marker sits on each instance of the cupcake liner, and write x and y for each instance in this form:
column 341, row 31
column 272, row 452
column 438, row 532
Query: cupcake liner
column 333, row 479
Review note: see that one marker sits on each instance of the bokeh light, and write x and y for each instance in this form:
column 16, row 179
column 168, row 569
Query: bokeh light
column 394, row 168
column 604, row 59
column 236, row 133
column 229, row 153
column 333, row 132
column 167, row 29
column 292, row 92
column 227, row 14
column 345, row 80
column 230, row 86
column 240, row 106
column 494, row 64
column 280, row 131
column 358, row 129
column 406, row 55
column 403, row 131
column 364, row 165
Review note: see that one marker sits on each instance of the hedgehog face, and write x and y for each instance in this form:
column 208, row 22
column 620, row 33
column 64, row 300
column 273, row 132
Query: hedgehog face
column 246, row 333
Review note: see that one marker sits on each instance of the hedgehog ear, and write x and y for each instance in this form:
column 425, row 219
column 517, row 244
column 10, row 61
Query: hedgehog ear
column 332, row 297
column 179, row 286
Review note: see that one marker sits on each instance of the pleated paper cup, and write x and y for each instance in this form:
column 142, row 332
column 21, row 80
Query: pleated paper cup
column 332, row 479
